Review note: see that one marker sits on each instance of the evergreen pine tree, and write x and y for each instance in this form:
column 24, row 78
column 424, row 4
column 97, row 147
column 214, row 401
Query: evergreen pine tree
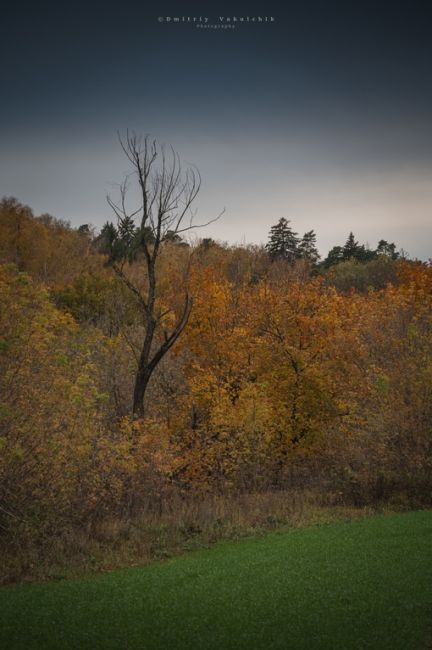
column 85, row 230
column 351, row 247
column 283, row 242
column 384, row 248
column 307, row 247
column 365, row 254
column 127, row 231
column 107, row 238
column 335, row 255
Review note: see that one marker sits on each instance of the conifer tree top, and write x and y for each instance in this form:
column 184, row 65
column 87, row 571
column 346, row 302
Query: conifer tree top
column 283, row 241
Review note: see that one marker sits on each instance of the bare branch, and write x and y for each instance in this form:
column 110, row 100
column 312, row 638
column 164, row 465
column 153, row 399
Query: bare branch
column 119, row 271
column 201, row 225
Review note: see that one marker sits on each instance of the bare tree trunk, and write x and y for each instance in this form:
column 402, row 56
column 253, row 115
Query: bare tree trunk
column 146, row 365
column 141, row 382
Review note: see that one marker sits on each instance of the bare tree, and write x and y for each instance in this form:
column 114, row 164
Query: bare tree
column 167, row 192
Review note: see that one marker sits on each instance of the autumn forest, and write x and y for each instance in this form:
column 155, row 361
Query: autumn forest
column 145, row 367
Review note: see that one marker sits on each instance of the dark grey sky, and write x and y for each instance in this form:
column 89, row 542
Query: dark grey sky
column 323, row 116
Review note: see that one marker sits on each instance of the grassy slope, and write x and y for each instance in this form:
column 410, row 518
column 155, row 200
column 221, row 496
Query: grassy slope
column 363, row 584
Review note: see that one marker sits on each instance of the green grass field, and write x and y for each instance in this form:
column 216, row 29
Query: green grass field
column 361, row 584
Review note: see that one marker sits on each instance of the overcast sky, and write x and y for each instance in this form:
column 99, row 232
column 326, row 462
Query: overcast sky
column 323, row 116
